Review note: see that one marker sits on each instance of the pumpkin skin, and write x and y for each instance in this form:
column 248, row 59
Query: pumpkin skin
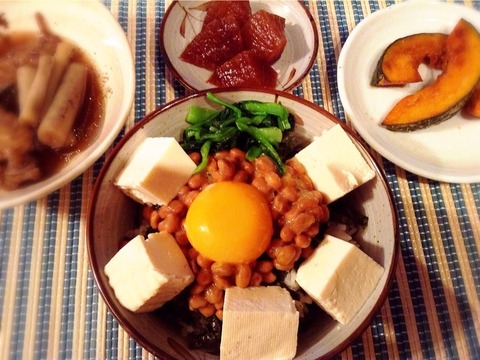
column 399, row 63
column 472, row 107
column 445, row 96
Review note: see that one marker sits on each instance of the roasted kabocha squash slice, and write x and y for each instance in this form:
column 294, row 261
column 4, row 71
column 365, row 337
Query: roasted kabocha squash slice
column 399, row 63
column 449, row 92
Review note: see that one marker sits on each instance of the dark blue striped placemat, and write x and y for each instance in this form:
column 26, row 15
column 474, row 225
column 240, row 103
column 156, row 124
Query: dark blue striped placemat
column 49, row 304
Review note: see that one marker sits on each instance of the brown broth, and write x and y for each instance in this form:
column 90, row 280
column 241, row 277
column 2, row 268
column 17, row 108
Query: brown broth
column 85, row 129
column 22, row 48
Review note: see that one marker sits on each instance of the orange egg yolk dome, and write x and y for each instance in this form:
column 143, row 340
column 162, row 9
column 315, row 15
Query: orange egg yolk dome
column 229, row 222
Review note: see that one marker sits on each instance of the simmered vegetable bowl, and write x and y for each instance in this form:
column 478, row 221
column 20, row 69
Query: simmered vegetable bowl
column 114, row 63
column 323, row 336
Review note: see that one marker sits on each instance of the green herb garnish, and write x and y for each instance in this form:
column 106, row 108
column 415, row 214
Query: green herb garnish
column 253, row 126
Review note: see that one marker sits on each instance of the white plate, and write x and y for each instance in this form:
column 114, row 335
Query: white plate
column 91, row 26
column 448, row 151
column 297, row 58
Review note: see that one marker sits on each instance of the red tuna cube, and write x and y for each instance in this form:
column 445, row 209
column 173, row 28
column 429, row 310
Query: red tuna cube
column 219, row 41
column 245, row 69
column 218, row 9
column 265, row 34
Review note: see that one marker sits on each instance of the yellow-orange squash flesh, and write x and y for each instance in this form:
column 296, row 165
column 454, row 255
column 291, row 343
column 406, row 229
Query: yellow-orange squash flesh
column 448, row 93
column 472, row 107
column 399, row 63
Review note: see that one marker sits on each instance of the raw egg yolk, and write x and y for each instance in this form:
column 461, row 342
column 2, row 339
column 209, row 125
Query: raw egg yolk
column 229, row 222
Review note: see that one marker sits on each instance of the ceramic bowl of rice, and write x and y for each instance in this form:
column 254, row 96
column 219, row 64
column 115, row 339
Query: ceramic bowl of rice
column 114, row 216
column 52, row 53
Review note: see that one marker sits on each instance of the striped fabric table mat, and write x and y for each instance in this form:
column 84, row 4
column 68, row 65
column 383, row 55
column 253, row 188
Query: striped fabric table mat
column 49, row 304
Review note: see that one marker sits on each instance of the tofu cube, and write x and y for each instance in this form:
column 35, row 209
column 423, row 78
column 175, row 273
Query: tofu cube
column 145, row 274
column 334, row 164
column 259, row 323
column 339, row 277
column 158, row 168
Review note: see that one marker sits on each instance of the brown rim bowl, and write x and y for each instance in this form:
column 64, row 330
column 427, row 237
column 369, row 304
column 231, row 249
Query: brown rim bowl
column 112, row 214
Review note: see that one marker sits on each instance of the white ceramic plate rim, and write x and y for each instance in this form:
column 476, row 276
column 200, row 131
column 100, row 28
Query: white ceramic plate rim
column 195, row 78
column 446, row 152
column 96, row 13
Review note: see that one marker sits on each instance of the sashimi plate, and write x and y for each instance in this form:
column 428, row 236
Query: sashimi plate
column 446, row 152
column 183, row 20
